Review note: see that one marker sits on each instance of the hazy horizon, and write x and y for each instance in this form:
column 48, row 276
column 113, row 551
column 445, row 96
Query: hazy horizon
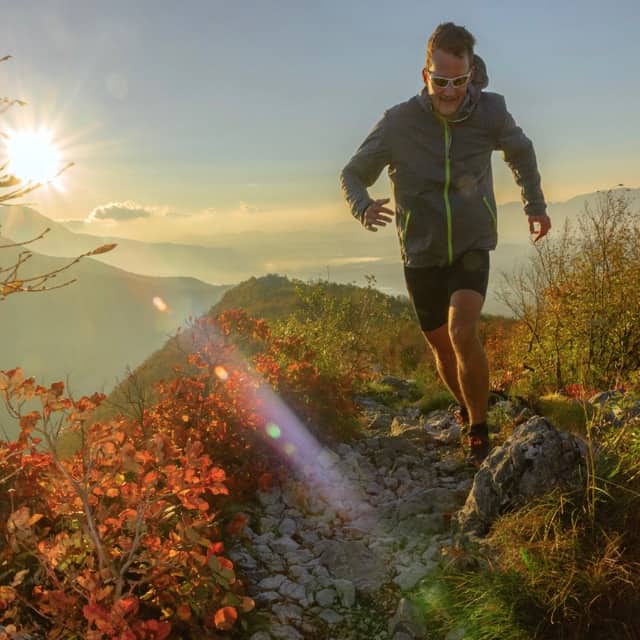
column 157, row 246
column 244, row 114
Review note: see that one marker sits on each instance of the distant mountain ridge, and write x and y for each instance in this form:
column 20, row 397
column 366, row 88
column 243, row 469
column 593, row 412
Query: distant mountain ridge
column 163, row 259
column 91, row 330
column 511, row 214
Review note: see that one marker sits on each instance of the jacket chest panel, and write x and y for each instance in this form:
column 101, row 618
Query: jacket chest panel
column 470, row 149
column 418, row 156
column 468, row 142
column 422, row 151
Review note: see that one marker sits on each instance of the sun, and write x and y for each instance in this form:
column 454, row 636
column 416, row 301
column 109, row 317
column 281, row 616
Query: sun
column 33, row 156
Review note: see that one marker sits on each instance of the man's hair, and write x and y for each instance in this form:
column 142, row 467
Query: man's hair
column 451, row 38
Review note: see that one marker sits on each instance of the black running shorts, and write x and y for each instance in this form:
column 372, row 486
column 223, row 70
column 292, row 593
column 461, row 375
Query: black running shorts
column 430, row 288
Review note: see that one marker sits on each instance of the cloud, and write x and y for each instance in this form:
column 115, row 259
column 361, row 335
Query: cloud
column 356, row 260
column 248, row 222
column 119, row 211
column 131, row 210
column 317, row 261
column 177, row 214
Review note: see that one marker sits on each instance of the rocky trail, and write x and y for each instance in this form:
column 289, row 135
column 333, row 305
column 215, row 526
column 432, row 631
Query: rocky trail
column 336, row 548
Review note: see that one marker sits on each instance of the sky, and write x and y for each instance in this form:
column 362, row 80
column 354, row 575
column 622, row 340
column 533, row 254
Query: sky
column 238, row 116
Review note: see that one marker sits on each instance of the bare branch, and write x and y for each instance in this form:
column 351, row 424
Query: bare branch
column 25, row 242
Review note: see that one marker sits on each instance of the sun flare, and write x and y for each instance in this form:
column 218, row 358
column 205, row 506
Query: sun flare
column 32, row 155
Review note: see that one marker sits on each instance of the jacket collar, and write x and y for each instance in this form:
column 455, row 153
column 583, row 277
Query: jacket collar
column 479, row 81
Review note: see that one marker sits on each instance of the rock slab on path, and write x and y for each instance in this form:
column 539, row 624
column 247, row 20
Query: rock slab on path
column 534, row 460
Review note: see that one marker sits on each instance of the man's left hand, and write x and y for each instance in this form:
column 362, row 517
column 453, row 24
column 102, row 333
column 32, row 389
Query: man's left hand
column 544, row 224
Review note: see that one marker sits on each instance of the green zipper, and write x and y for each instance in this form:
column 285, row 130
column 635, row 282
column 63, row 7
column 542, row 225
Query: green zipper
column 491, row 211
column 404, row 230
column 447, row 180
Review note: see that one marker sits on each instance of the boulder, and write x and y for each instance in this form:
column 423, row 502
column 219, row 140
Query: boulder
column 534, row 460
column 409, row 577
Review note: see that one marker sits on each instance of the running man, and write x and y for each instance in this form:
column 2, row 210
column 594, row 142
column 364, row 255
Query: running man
column 438, row 148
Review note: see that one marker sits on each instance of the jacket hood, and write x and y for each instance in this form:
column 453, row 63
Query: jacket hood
column 479, row 81
column 480, row 77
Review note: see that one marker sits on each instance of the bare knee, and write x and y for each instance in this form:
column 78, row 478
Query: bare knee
column 464, row 319
column 440, row 342
column 463, row 335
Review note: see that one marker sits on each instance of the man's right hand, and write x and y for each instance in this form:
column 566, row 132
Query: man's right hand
column 373, row 215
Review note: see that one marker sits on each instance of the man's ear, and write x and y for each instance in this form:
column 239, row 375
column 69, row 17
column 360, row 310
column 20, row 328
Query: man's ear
column 425, row 76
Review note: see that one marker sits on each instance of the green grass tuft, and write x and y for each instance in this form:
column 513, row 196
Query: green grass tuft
column 565, row 413
column 436, row 401
column 478, row 606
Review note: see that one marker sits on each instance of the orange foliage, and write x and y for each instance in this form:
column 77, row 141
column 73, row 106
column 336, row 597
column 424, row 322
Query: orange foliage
column 126, row 538
column 225, row 618
column 498, row 335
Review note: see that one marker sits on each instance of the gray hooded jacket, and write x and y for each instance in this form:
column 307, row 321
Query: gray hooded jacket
column 440, row 170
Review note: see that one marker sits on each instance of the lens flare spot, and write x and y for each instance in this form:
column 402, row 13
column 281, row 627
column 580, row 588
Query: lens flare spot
column 290, row 449
column 221, row 372
column 160, row 304
column 273, row 430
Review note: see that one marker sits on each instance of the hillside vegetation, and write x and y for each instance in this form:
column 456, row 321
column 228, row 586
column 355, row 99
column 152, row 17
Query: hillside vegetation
column 121, row 512
column 350, row 327
column 331, row 316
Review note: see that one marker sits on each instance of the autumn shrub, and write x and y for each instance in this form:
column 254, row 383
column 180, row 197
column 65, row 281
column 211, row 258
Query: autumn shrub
column 402, row 350
column 500, row 336
column 294, row 368
column 124, row 540
column 127, row 537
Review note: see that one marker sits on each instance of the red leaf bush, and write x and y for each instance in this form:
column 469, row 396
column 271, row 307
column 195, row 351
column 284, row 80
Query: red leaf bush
column 126, row 538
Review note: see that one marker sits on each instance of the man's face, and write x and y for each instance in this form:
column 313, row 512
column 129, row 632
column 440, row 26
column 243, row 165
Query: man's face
column 446, row 100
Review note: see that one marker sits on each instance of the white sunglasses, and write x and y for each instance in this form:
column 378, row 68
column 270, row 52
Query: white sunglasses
column 441, row 82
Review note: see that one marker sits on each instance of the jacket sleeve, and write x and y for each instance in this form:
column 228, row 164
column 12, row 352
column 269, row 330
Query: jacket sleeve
column 521, row 158
column 364, row 168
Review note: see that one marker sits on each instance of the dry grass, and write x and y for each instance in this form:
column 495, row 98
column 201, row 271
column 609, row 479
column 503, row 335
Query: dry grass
column 564, row 567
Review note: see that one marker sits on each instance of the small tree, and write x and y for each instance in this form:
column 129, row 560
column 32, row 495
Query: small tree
column 578, row 299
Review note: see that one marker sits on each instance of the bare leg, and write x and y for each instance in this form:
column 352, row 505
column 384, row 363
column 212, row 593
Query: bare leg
column 473, row 368
column 446, row 361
